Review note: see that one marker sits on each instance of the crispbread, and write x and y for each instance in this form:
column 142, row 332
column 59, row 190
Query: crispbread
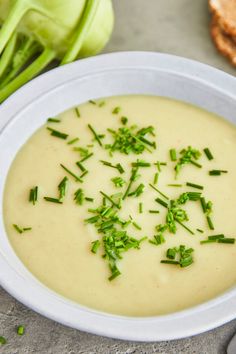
column 224, row 43
column 225, row 12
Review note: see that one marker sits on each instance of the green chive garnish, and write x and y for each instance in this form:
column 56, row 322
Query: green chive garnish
column 200, row 230
column 95, row 246
column 118, row 182
column 210, row 223
column 131, row 180
column 173, row 155
column 168, row 261
column 110, row 200
column 185, row 227
column 3, row 340
column 92, row 102
column 102, row 103
column 138, row 227
column 124, row 120
column 77, row 112
column 18, row 228
column 217, row 172
column 86, row 157
column 33, row 195
column 154, row 211
column 117, row 166
column 140, row 208
column 20, row 330
column 158, row 191
column 73, row 141
column 155, row 179
column 62, row 187
column 208, row 154
column 141, row 164
column 226, row 240
column 203, row 204
column 216, row 237
column 197, row 186
column 160, row 201
column 89, row 199
column 53, row 120
column 53, row 200
column 174, row 185
column 116, row 110
column 81, row 167
column 57, row 134
column 77, row 178
column 96, row 136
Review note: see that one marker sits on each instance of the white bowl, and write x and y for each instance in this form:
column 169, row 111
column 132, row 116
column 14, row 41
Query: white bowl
column 62, row 88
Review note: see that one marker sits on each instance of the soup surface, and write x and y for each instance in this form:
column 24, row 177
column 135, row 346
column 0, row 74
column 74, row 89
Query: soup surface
column 57, row 247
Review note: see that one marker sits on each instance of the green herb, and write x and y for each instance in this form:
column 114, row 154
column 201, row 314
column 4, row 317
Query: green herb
column 89, row 199
column 3, row 340
column 82, row 151
column 207, row 241
column 217, row 172
column 92, row 102
column 183, row 254
column 174, row 185
column 210, row 223
column 81, row 167
column 141, row 164
column 73, row 141
column 116, row 110
column 58, row 134
column 158, row 239
column 160, row 201
column 139, row 190
column 102, row 103
column 188, row 156
column 83, row 174
column 86, row 157
column 77, row 178
column 158, row 191
column 117, row 166
column 173, row 155
column 20, row 330
column 18, row 228
column 33, row 195
column 216, row 237
column 110, row 200
column 155, row 179
column 154, row 211
column 53, row 120
column 203, row 204
column 185, row 227
column 133, row 176
column 208, row 154
column 226, row 240
column 197, row 186
column 27, row 228
column 53, row 200
column 77, row 112
column 140, row 208
column 95, row 246
column 62, row 187
column 159, row 164
column 130, row 140
column 136, row 225
column 96, row 136
column 124, row 120
column 199, row 230
column 118, row 182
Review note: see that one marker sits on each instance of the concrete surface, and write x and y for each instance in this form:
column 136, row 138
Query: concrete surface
column 173, row 26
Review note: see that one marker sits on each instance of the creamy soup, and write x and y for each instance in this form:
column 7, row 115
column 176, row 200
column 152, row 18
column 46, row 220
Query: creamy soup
column 107, row 207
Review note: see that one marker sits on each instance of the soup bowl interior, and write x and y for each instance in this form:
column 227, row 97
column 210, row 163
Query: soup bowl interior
column 62, row 88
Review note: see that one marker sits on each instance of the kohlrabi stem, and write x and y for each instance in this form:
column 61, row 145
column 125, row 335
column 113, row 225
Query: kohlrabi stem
column 31, row 71
column 7, row 55
column 82, row 30
column 18, row 9
column 26, row 51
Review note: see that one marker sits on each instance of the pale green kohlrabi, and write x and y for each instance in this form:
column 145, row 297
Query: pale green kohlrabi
column 36, row 32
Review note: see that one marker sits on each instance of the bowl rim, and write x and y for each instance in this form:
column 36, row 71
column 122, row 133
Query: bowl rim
column 167, row 327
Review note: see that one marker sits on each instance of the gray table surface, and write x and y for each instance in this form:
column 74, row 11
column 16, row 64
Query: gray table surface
column 172, row 26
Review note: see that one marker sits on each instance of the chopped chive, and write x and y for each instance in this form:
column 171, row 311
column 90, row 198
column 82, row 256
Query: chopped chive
column 207, row 241
column 226, row 240
column 124, row 120
column 57, row 133
column 83, row 174
column 217, row 172
column 95, row 246
column 92, row 220
column 174, row 185
column 96, row 136
column 197, row 186
column 77, row 112
column 203, row 204
column 173, row 155
column 208, row 154
column 200, row 230
column 81, row 167
column 77, row 178
column 118, row 182
column 89, row 199
column 141, row 164
column 116, row 110
column 53, row 120
column 115, row 272
column 131, row 180
column 216, row 237
column 168, row 261
column 137, row 191
column 92, row 102
column 86, row 157
column 20, row 330
column 159, row 164
column 185, row 227
column 27, row 228
column 33, row 195
column 155, row 179
column 160, row 201
column 158, row 191
column 53, row 200
column 3, row 340
column 62, row 187
column 136, row 225
column 102, row 103
column 195, row 164
column 110, row 200
column 18, row 229
column 154, row 211
column 210, row 223
column 73, row 141
column 140, row 208
column 79, row 196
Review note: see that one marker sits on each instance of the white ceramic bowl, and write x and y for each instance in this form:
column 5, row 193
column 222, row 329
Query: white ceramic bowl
column 62, row 88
